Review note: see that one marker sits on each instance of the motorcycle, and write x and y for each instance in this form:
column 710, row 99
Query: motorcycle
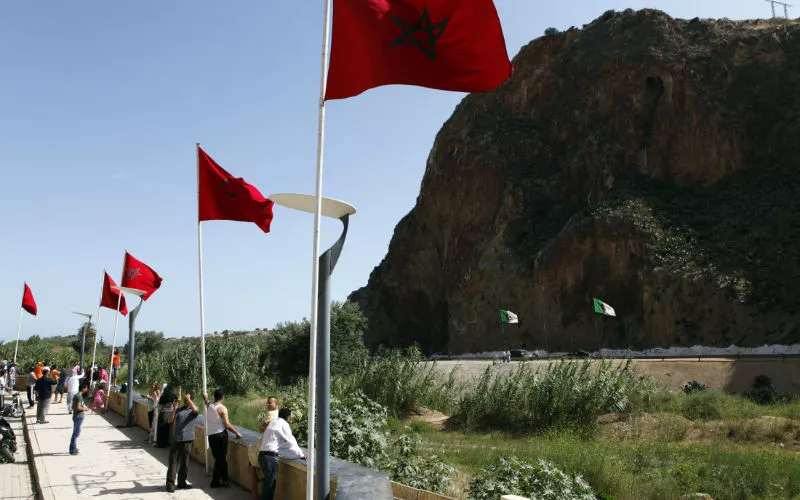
column 14, row 409
column 8, row 442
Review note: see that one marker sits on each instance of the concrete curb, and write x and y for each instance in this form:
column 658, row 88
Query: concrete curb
column 37, row 469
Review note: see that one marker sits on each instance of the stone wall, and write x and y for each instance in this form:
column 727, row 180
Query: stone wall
column 291, row 484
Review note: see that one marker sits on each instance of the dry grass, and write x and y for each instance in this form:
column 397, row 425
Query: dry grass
column 669, row 427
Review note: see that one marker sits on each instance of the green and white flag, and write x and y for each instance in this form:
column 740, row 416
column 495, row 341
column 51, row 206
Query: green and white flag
column 508, row 317
column 603, row 308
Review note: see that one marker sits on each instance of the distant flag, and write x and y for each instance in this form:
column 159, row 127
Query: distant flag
column 137, row 274
column 603, row 308
column 441, row 44
column 112, row 297
column 222, row 196
column 27, row 300
column 508, row 317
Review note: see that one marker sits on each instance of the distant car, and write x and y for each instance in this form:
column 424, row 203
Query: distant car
column 580, row 353
column 440, row 355
column 523, row 354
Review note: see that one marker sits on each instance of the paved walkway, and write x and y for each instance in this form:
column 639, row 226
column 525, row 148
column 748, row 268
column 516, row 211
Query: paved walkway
column 15, row 479
column 113, row 462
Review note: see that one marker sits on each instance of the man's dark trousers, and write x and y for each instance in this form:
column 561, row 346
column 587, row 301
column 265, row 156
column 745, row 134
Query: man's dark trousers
column 219, row 448
column 269, row 464
column 76, row 432
column 179, row 450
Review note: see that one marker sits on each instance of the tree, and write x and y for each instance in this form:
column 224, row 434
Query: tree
column 285, row 353
column 147, row 342
column 90, row 334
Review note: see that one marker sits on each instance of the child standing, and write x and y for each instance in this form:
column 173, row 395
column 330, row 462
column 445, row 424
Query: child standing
column 98, row 398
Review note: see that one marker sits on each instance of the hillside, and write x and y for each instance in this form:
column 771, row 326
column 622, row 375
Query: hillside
column 647, row 161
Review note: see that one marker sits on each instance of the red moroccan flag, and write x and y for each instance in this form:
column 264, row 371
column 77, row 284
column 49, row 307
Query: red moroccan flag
column 27, row 300
column 441, row 44
column 111, row 297
column 224, row 197
column 137, row 274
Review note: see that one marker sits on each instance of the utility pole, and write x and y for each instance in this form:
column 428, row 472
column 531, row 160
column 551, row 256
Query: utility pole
column 785, row 7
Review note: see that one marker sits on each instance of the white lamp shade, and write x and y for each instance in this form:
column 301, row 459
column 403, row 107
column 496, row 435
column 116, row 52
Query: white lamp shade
column 134, row 291
column 332, row 208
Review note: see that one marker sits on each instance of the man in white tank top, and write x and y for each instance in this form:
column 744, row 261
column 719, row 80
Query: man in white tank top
column 218, row 427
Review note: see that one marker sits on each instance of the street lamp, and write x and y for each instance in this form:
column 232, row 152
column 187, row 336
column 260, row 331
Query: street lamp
column 83, row 337
column 334, row 209
column 131, row 342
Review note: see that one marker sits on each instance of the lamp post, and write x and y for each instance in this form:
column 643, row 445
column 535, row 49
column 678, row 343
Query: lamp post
column 83, row 337
column 334, row 209
column 131, row 343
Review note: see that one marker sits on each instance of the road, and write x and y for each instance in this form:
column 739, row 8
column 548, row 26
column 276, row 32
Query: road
column 719, row 373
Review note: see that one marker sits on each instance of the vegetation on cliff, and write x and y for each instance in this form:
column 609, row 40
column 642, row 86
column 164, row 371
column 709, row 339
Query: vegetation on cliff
column 644, row 159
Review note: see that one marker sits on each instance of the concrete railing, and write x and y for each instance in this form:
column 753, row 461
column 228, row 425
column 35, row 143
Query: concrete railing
column 348, row 481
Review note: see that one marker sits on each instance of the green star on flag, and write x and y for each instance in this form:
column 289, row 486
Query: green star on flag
column 603, row 308
column 508, row 317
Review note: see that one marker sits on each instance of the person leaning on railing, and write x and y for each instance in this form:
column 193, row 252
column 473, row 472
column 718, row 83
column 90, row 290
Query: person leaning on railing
column 253, row 468
column 218, row 426
column 277, row 436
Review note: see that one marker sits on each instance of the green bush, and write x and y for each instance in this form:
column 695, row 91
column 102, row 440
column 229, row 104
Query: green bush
column 232, row 364
column 567, row 395
column 180, row 368
column 403, row 381
column 704, row 405
column 693, row 386
column 539, row 480
column 285, row 353
column 358, row 426
column 407, row 467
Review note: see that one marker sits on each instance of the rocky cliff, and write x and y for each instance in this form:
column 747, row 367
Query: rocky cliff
column 651, row 162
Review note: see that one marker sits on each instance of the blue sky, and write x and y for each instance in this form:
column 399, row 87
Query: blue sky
column 102, row 103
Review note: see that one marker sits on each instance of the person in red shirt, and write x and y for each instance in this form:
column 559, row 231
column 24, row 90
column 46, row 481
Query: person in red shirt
column 115, row 368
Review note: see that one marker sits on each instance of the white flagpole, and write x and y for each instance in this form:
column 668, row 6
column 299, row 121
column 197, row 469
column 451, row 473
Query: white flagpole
column 19, row 328
column 113, row 344
column 202, row 310
column 97, row 328
column 312, row 356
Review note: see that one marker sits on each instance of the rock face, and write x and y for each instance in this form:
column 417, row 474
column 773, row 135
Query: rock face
column 651, row 162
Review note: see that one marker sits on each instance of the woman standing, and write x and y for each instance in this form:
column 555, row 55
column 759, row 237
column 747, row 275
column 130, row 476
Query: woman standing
column 59, row 397
column 152, row 405
column 30, row 383
column 168, row 396
column 73, row 386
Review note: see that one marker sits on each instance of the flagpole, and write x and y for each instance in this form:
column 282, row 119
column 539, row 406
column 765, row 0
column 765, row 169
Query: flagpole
column 114, row 343
column 19, row 328
column 97, row 328
column 202, row 310
column 312, row 355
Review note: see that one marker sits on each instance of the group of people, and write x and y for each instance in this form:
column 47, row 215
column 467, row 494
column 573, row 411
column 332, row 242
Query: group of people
column 46, row 385
column 170, row 412
column 176, row 411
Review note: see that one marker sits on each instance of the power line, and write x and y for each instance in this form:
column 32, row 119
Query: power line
column 785, row 7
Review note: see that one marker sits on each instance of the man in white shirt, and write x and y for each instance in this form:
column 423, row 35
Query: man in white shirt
column 277, row 436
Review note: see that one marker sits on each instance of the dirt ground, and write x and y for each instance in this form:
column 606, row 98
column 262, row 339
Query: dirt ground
column 725, row 374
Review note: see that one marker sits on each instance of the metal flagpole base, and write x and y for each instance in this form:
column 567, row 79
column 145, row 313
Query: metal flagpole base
column 327, row 262
column 131, row 360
